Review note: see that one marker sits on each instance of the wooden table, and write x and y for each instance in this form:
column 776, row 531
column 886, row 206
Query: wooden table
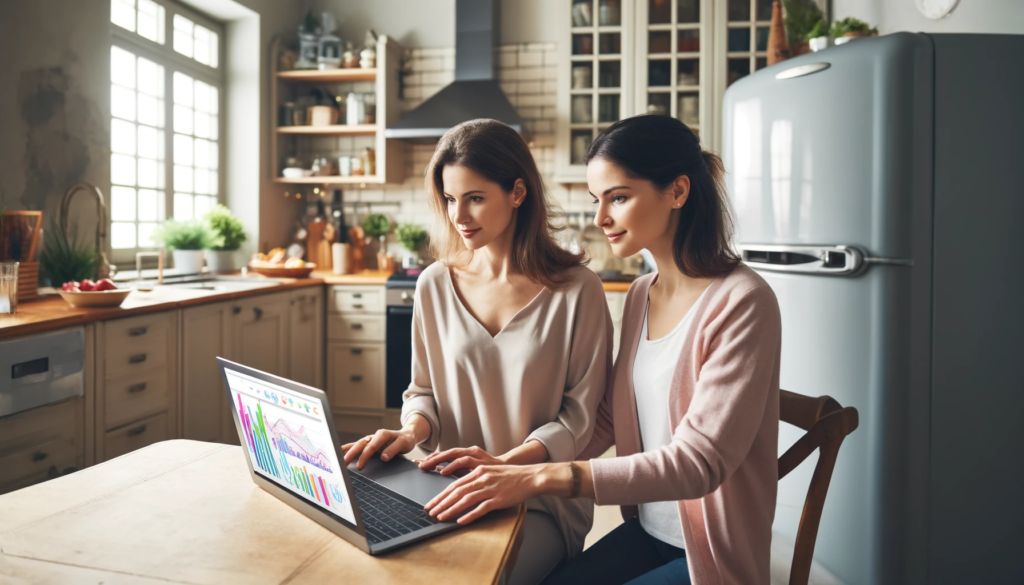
column 188, row 512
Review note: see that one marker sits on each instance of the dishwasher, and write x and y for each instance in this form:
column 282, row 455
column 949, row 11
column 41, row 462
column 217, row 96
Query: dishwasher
column 41, row 369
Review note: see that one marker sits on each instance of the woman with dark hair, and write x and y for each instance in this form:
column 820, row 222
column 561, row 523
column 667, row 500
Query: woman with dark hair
column 511, row 334
column 693, row 408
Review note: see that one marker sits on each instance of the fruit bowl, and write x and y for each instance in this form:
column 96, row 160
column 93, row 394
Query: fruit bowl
column 105, row 298
column 279, row 270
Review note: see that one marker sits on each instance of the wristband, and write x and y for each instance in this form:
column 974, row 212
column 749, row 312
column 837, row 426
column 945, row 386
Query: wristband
column 576, row 479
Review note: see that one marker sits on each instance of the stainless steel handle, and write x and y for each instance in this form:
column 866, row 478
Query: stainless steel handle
column 357, row 325
column 137, row 331
column 357, row 295
column 137, row 387
column 137, row 431
column 833, row 260
column 357, row 378
column 357, row 351
column 137, row 358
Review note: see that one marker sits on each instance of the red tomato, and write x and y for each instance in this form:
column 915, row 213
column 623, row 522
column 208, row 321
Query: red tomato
column 105, row 284
column 87, row 285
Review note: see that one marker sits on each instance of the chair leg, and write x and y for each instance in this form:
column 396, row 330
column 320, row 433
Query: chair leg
column 807, row 533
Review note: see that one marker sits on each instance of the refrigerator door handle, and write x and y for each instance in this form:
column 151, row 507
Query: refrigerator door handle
column 831, row 260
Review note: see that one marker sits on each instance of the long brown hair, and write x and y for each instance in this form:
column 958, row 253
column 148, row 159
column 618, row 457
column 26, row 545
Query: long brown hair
column 661, row 149
column 499, row 154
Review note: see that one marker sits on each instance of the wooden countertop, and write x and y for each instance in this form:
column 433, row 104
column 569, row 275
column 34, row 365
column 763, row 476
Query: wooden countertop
column 188, row 512
column 51, row 313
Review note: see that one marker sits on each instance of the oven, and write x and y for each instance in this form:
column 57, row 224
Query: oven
column 398, row 352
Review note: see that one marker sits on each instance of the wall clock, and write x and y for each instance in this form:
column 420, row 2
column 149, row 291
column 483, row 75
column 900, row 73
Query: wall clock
column 936, row 9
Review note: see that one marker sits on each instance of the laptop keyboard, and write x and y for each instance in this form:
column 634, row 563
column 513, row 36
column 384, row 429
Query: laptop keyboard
column 386, row 516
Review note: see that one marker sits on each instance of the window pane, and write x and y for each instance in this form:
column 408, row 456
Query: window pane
column 608, row 108
column 183, row 89
column 583, row 44
column 182, row 150
column 659, row 41
column 151, row 110
column 689, row 109
column 183, row 119
column 122, row 235
column 202, row 125
column 659, row 11
column 214, row 183
column 739, row 39
column 762, row 38
column 151, row 143
column 202, row 205
column 149, row 173
column 201, row 52
column 182, row 178
column 582, row 75
column 183, row 35
column 151, row 78
column 688, row 41
column 151, row 21
column 146, row 235
column 609, row 12
column 739, row 10
column 122, row 67
column 609, row 74
column 203, row 182
column 214, row 155
column 764, row 10
column 581, row 13
column 122, row 13
column 737, row 68
column 122, row 169
column 609, row 43
column 202, row 96
column 122, row 136
column 122, row 203
column 122, row 102
column 659, row 72
column 182, row 206
column 580, row 142
column 581, row 109
column 688, row 11
column 658, row 103
column 688, row 72
column 149, row 201
column 214, row 96
column 202, row 153
column 214, row 49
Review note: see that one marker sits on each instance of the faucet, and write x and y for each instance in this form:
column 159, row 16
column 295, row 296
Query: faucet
column 104, row 268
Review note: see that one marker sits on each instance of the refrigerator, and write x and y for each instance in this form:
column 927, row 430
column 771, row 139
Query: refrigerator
column 878, row 187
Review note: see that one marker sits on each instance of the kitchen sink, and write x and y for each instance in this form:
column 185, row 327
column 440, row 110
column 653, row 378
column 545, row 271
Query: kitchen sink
column 224, row 284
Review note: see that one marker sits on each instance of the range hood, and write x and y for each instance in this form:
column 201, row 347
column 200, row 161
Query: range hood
column 475, row 93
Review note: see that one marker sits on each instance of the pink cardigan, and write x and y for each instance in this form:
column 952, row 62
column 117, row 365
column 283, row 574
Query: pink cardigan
column 721, row 464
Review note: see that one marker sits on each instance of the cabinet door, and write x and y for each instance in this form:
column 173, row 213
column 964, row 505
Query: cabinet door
column 261, row 333
column 356, row 375
column 305, row 336
column 207, row 333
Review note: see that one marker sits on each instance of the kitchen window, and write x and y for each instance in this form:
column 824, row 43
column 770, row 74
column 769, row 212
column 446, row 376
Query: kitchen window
column 165, row 127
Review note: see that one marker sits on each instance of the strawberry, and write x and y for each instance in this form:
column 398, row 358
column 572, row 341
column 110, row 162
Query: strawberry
column 87, row 285
column 105, row 284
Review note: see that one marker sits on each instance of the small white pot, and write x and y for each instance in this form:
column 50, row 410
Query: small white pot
column 819, row 43
column 220, row 261
column 188, row 261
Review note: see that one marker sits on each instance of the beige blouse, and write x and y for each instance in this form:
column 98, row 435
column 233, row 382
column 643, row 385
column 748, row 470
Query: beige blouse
column 541, row 377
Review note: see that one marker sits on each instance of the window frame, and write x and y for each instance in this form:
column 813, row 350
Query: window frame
column 173, row 61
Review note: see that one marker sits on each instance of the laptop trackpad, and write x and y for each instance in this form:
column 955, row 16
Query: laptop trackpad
column 406, row 478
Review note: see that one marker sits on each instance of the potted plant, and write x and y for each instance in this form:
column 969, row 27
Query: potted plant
column 376, row 225
column 817, row 38
column 228, row 235
column 64, row 258
column 412, row 237
column 186, row 240
column 801, row 17
column 848, row 29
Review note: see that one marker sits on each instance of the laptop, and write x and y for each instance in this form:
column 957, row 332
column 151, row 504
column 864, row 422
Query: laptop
column 290, row 444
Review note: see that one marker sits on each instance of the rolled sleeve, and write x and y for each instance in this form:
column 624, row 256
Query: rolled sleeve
column 557, row 439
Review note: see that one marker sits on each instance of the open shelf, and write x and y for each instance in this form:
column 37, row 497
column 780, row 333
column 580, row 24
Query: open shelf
column 332, row 180
column 337, row 129
column 328, row 75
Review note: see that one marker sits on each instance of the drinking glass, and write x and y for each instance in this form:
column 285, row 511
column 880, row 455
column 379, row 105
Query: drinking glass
column 8, row 287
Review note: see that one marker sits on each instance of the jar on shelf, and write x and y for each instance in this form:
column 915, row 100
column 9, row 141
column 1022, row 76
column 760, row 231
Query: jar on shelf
column 370, row 104
column 367, row 58
column 355, row 109
column 369, row 161
column 350, row 59
column 357, row 167
column 286, row 114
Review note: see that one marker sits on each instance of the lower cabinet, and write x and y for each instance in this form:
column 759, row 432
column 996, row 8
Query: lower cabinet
column 41, row 444
column 207, row 333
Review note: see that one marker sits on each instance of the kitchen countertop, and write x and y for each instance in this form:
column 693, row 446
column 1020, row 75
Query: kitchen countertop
column 52, row 312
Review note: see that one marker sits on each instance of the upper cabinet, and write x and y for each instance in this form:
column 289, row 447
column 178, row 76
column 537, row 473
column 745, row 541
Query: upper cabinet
column 620, row 58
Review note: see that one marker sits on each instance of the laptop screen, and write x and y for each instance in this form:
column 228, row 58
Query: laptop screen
column 288, row 442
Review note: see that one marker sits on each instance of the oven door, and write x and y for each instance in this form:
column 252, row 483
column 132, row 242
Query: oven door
column 398, row 354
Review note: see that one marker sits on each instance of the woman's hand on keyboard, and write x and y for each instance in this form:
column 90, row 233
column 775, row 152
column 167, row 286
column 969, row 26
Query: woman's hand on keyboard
column 390, row 444
column 467, row 459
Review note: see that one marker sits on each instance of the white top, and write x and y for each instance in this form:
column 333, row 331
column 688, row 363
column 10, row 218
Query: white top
column 541, row 377
column 653, row 369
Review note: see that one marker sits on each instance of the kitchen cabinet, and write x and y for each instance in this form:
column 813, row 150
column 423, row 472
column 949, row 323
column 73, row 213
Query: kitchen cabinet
column 42, row 443
column 136, row 379
column 356, row 368
column 621, row 58
column 260, row 333
column 305, row 336
column 207, row 332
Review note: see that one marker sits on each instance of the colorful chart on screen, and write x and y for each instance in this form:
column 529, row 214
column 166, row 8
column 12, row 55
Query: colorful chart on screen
column 289, row 442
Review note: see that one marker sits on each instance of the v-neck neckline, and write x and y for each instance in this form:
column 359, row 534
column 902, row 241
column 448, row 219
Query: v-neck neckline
column 465, row 309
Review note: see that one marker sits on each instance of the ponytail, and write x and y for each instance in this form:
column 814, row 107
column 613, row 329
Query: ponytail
column 661, row 149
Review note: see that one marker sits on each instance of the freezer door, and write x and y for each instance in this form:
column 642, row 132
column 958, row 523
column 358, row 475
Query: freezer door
column 827, row 156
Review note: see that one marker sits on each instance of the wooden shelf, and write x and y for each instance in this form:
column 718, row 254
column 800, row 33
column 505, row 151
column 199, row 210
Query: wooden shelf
column 337, row 129
column 337, row 75
column 333, row 180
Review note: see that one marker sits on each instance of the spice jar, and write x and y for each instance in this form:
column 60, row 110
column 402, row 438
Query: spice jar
column 357, row 166
column 369, row 161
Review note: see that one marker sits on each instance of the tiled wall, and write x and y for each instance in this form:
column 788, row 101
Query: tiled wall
column 528, row 76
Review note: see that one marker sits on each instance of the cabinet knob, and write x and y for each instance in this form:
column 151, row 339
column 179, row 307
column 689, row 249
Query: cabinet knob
column 39, row 456
column 357, row 306
column 258, row 312
column 357, row 295
column 357, row 325
column 137, row 431
column 137, row 387
column 357, row 378
column 236, row 310
column 137, row 358
column 137, row 331
column 357, row 351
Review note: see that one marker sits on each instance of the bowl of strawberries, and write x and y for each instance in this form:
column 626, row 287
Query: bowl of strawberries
column 102, row 293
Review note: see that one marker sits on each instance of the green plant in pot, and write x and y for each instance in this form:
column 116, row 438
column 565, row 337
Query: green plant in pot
column 850, row 28
column 413, row 238
column 64, row 258
column 228, row 235
column 186, row 240
column 801, row 17
column 376, row 225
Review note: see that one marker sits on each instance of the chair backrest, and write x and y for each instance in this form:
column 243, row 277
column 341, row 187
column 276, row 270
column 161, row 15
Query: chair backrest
column 827, row 423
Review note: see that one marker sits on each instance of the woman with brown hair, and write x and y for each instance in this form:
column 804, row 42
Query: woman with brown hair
column 511, row 334
column 693, row 407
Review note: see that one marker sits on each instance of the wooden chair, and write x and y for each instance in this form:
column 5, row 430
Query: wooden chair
column 827, row 423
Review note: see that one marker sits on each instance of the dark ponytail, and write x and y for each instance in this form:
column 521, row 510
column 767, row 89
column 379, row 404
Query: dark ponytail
column 660, row 149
